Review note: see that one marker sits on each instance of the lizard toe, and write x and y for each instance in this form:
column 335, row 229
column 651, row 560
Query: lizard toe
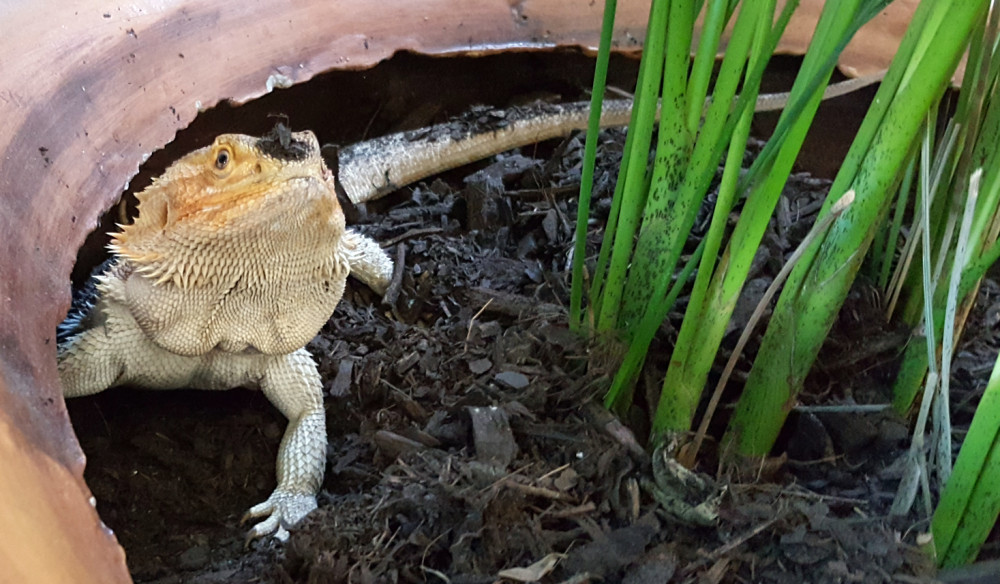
column 262, row 529
column 281, row 511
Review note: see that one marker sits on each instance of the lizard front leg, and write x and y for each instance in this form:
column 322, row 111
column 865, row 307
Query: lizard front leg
column 369, row 262
column 293, row 385
column 99, row 357
column 116, row 352
column 88, row 363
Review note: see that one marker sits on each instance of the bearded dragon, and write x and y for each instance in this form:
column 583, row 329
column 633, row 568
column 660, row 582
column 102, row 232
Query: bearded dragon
column 237, row 258
column 239, row 255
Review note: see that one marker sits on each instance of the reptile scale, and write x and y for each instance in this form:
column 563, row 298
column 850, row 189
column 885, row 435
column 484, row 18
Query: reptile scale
column 239, row 255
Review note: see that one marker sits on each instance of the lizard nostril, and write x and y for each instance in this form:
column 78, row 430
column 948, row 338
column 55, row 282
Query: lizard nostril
column 257, row 169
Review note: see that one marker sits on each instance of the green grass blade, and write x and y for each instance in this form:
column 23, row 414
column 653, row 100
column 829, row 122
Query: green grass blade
column 970, row 500
column 814, row 293
column 619, row 395
column 708, row 312
column 576, row 319
column 633, row 196
column 674, row 200
column 892, row 240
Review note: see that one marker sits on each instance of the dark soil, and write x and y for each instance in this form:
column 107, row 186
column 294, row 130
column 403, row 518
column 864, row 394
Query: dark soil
column 465, row 436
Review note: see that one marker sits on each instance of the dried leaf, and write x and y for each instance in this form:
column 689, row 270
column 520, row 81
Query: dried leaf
column 534, row 572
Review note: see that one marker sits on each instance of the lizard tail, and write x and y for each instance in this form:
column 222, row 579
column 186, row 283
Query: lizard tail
column 371, row 169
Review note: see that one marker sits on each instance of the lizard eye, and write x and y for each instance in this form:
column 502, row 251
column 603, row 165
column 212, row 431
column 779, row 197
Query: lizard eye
column 222, row 159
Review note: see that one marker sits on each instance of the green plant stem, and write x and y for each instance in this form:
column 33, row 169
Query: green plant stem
column 683, row 176
column 894, row 229
column 977, row 121
column 619, row 395
column 589, row 158
column 817, row 287
column 817, row 229
column 677, row 403
column 633, row 196
column 970, row 500
column 710, row 307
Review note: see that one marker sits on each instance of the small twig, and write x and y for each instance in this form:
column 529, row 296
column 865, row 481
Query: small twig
column 550, row 197
column 410, row 234
column 552, row 472
column 537, row 491
column 587, row 507
column 719, row 552
column 540, row 193
column 434, row 572
column 798, row 491
column 516, row 472
column 472, row 321
column 619, row 92
column 514, row 305
column 371, row 119
column 392, row 291
column 807, row 463
column 848, row 408
column 427, row 549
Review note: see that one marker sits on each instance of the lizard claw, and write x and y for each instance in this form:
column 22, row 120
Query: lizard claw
column 281, row 511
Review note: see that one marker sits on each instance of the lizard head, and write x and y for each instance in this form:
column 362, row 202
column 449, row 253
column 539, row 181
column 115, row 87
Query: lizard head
column 239, row 187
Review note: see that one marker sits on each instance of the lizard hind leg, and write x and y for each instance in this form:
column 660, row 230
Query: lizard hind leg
column 292, row 383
